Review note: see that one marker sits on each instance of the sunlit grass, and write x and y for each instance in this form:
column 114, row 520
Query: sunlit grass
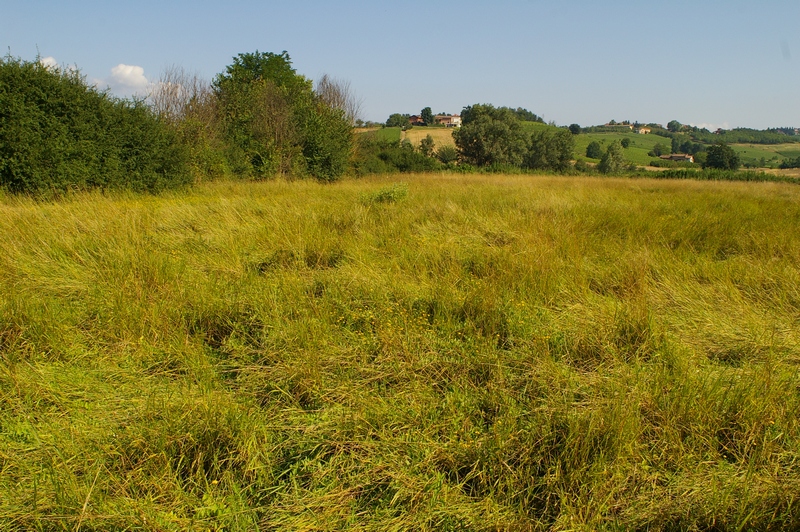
column 441, row 353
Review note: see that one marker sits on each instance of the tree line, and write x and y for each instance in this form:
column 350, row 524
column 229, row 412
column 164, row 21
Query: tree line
column 256, row 119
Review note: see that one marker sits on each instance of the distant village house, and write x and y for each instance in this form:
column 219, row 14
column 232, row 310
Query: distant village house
column 643, row 130
column 679, row 157
column 448, row 120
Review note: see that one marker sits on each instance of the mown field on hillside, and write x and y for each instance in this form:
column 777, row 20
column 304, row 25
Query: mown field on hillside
column 635, row 153
column 441, row 136
column 446, row 353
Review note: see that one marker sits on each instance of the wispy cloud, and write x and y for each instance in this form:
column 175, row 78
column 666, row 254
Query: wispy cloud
column 713, row 127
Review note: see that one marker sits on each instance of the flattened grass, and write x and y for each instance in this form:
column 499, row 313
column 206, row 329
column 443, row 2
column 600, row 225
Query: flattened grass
column 479, row 353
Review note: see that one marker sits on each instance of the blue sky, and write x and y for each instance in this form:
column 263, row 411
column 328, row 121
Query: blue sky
column 714, row 63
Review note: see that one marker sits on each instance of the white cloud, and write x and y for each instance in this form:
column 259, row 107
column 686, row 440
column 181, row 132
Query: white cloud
column 713, row 127
column 49, row 61
column 126, row 80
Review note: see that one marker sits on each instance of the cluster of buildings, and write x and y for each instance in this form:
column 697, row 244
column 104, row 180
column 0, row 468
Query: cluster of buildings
column 445, row 120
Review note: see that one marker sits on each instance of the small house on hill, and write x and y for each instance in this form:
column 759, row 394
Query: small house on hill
column 643, row 131
column 448, row 120
column 679, row 157
column 416, row 120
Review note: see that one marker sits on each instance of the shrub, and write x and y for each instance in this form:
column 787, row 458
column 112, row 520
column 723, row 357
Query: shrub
column 57, row 133
column 383, row 156
column 613, row 160
column 722, row 157
column 274, row 123
column 447, row 154
column 594, row 150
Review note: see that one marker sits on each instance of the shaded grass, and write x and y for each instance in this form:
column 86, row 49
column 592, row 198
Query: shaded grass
column 488, row 353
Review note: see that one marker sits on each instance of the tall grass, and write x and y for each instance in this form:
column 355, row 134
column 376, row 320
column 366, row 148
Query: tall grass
column 474, row 353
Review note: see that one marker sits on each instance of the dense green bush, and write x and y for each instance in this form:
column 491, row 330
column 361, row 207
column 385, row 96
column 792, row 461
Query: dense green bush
column 57, row 133
column 713, row 174
column 274, row 123
column 380, row 156
column 594, row 150
column 666, row 163
column 722, row 157
column 613, row 159
column 550, row 149
column 493, row 138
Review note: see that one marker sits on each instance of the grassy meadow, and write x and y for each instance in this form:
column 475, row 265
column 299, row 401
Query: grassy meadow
column 635, row 153
column 443, row 353
column 772, row 154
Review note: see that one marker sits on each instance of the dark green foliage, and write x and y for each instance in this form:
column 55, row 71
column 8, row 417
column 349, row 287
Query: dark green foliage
column 273, row 123
column 426, row 146
column 674, row 126
column 713, row 174
column 791, row 163
column 550, row 149
column 744, row 136
column 613, row 159
column 625, row 142
column 327, row 142
column 397, row 120
column 58, row 134
column 722, row 157
column 380, row 156
column 594, row 150
column 527, row 116
column 658, row 150
column 666, row 163
column 427, row 116
column 494, row 138
column 490, row 136
column 447, row 154
column 575, row 129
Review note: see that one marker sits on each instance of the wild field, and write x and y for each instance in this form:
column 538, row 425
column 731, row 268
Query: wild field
column 443, row 353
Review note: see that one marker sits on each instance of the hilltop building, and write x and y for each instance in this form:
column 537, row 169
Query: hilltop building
column 448, row 120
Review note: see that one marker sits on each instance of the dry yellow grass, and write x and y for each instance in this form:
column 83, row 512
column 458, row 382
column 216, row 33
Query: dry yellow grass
column 441, row 136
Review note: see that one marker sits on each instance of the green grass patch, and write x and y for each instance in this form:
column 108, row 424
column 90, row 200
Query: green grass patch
column 491, row 352
column 390, row 134
column 635, row 153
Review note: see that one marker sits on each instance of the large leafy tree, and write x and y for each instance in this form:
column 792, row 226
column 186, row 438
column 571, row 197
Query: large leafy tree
column 427, row 116
column 489, row 136
column 594, row 150
column 674, row 126
column 723, row 157
column 613, row 159
column 397, row 120
column 550, row 149
column 276, row 124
